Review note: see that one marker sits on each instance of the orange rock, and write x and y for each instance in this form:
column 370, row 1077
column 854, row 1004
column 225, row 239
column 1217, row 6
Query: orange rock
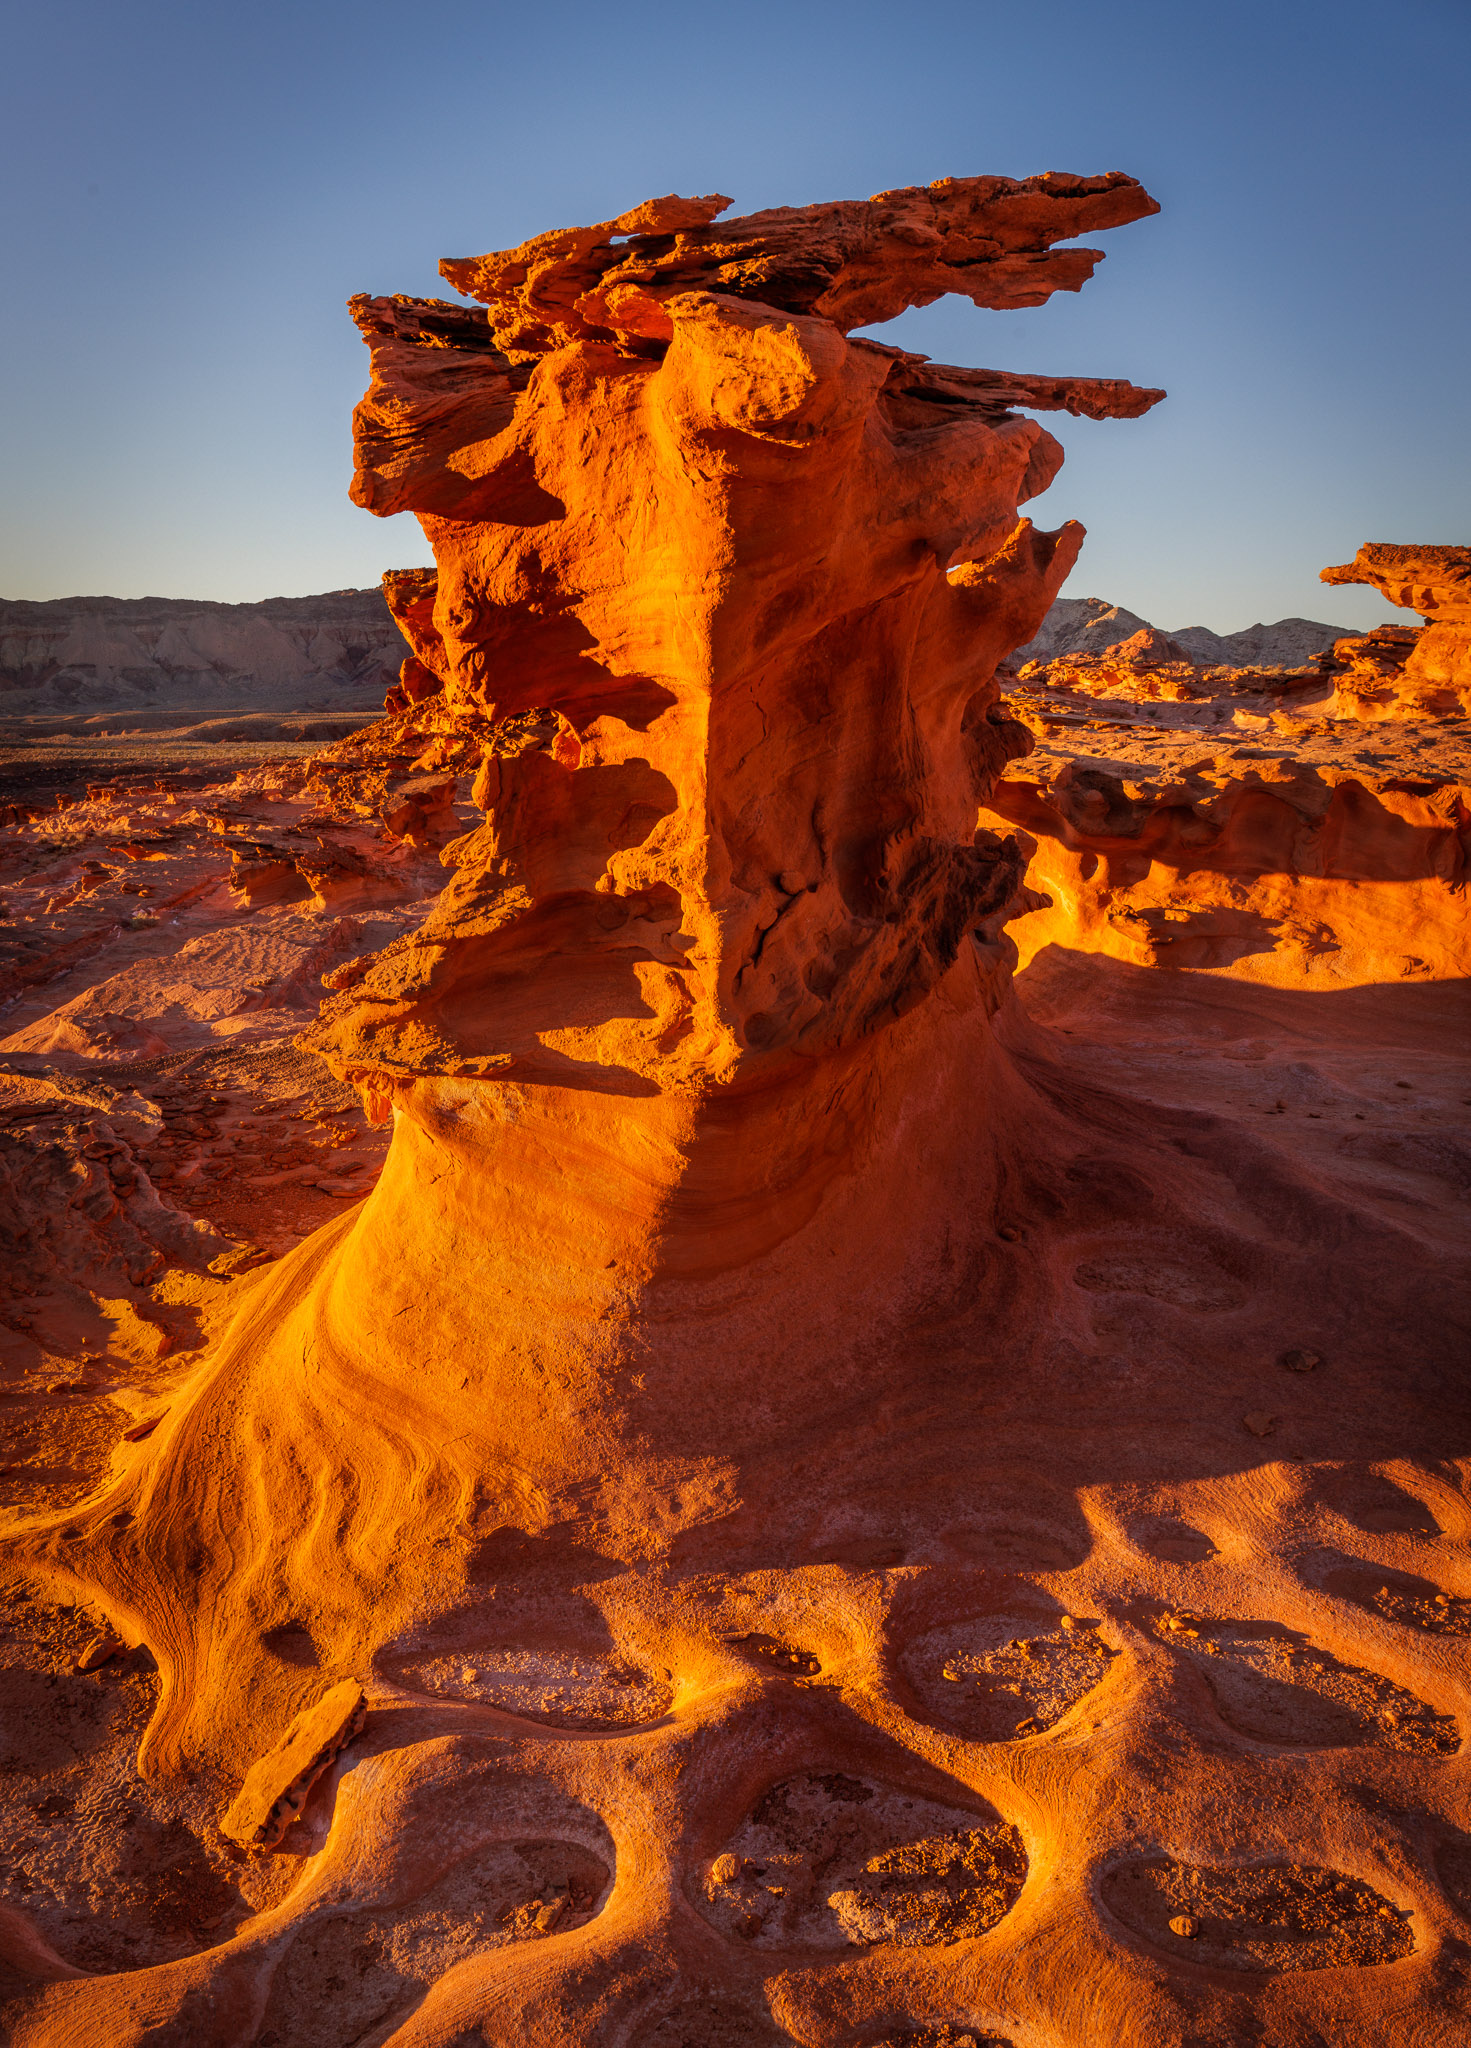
column 1148, row 648
column 719, row 612
column 827, row 509
column 100, row 1649
column 1394, row 672
column 855, row 262
column 278, row 1784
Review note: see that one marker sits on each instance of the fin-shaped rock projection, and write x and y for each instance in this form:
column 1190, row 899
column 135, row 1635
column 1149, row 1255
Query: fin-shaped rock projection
column 1424, row 672
column 854, row 262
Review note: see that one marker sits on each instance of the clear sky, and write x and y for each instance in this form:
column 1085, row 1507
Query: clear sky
column 190, row 192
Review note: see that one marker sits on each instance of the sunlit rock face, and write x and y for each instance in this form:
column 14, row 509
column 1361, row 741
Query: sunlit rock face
column 727, row 591
column 1396, row 671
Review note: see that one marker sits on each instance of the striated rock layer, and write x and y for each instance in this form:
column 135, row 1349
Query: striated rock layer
column 151, row 655
column 752, row 1444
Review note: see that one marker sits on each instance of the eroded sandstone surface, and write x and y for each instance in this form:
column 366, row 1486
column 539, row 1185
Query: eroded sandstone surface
column 869, row 1496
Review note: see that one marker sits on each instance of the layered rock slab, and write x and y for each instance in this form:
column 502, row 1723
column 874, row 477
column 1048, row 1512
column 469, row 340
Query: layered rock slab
column 1307, row 827
column 1400, row 672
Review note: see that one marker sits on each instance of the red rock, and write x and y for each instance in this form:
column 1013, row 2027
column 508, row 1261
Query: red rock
column 1435, row 581
column 100, row 1650
column 706, row 421
column 1393, row 673
column 1148, row 648
column 745, row 1270
column 1264, row 867
column 278, row 1784
column 854, row 262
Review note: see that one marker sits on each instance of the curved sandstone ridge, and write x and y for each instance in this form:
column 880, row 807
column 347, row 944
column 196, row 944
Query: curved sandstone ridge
column 743, row 1448
column 1293, row 873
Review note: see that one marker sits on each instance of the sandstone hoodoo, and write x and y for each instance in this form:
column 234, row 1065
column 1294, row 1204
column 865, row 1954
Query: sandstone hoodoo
column 744, row 1449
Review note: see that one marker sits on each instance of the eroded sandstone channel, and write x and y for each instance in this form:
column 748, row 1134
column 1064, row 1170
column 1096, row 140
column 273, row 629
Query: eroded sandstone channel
column 866, row 1498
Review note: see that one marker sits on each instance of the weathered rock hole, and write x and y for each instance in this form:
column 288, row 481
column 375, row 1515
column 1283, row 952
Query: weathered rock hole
column 347, row 1975
column 1187, row 1277
column 769, row 1653
column 564, row 1688
column 825, row 1860
column 1265, row 1916
column 1003, row 1677
column 710, row 2023
column 1402, row 1598
column 1174, row 1542
column 292, row 1643
column 1374, row 1503
column 112, row 1873
column 1019, row 1545
column 1273, row 1685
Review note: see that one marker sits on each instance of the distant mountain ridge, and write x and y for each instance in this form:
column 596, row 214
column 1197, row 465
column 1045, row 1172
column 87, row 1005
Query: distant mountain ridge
column 1086, row 625
column 339, row 651
column 335, row 652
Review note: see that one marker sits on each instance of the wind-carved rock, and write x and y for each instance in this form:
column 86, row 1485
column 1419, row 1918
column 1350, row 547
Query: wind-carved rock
column 1397, row 671
column 697, row 1104
column 754, row 578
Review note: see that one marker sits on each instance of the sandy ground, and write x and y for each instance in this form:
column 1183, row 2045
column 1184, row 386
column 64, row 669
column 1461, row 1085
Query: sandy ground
column 1131, row 1712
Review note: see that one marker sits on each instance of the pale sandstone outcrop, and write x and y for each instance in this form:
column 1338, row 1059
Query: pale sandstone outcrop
column 338, row 651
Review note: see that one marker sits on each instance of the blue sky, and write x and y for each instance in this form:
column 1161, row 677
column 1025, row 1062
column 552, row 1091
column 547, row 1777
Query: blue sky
column 189, row 193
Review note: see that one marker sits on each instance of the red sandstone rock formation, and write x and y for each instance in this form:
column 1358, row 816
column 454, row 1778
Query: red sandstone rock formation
column 854, row 262
column 754, row 580
column 725, row 1445
column 1306, row 859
